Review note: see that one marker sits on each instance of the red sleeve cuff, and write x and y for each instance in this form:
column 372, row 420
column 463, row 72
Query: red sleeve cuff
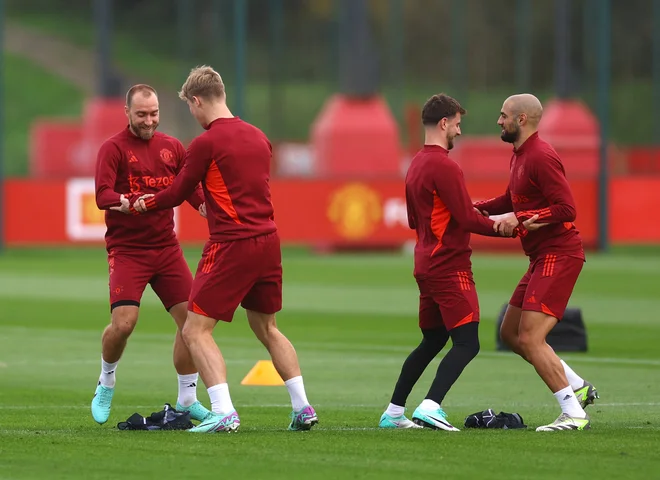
column 527, row 214
column 150, row 203
column 520, row 231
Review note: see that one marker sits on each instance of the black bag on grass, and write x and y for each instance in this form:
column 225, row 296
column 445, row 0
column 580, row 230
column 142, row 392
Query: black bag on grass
column 488, row 419
column 167, row 419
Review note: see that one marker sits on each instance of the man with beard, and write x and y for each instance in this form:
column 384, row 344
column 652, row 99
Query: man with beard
column 143, row 249
column 538, row 187
column 441, row 213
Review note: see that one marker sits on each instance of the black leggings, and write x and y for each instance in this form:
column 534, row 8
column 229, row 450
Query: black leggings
column 465, row 346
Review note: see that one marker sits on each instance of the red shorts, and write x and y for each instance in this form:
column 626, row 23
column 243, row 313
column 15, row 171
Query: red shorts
column 244, row 272
column 450, row 301
column 548, row 284
column 131, row 269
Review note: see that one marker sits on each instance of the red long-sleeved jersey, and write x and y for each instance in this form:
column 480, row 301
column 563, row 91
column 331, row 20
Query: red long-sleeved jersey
column 538, row 186
column 441, row 213
column 129, row 165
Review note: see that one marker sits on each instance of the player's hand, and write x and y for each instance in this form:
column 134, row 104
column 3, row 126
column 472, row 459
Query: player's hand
column 505, row 224
column 481, row 212
column 531, row 225
column 202, row 210
column 139, row 204
column 125, row 205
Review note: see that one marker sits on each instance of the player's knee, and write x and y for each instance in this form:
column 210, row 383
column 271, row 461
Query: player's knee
column 528, row 342
column 434, row 341
column 509, row 337
column 263, row 325
column 430, row 348
column 472, row 346
column 265, row 333
column 190, row 333
column 124, row 321
column 466, row 337
column 179, row 313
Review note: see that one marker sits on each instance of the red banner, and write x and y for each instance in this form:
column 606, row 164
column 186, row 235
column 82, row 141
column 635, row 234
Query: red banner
column 315, row 212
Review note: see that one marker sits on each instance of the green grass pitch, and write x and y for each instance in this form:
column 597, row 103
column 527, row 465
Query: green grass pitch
column 352, row 319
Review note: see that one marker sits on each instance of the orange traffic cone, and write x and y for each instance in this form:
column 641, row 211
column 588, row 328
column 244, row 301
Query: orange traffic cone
column 264, row 374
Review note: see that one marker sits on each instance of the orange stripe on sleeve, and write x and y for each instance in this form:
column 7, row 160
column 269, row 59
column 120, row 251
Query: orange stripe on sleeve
column 542, row 213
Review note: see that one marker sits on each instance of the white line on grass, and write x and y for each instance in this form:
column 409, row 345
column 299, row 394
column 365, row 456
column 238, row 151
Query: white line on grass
column 339, row 405
column 577, row 358
column 385, row 300
column 361, row 361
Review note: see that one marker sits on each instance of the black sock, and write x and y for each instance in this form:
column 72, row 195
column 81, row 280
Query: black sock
column 416, row 363
column 465, row 346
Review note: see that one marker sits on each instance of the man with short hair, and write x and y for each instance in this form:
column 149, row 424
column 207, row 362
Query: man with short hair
column 538, row 187
column 242, row 262
column 441, row 213
column 142, row 250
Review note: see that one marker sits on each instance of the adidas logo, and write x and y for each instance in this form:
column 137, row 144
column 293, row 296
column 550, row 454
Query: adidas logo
column 192, row 385
column 531, row 299
column 567, row 397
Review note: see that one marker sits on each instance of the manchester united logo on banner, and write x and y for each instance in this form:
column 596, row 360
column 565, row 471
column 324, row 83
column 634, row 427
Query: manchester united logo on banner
column 355, row 210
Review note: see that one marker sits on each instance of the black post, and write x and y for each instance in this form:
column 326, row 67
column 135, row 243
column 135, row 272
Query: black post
column 523, row 57
column 458, row 45
column 240, row 53
column 276, row 59
column 604, row 73
column 655, row 61
column 185, row 31
column 2, row 127
column 562, row 48
column 358, row 75
column 108, row 84
column 397, row 66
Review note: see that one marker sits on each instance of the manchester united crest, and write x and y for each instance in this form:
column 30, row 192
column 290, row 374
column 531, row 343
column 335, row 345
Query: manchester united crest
column 355, row 210
column 167, row 156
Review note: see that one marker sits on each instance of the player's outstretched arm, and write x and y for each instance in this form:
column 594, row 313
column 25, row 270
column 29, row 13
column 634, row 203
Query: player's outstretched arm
column 450, row 187
column 196, row 200
column 496, row 206
column 411, row 216
column 194, row 169
column 107, row 163
column 548, row 174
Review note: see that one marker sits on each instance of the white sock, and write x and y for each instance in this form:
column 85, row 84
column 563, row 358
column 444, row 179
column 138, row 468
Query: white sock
column 574, row 380
column 429, row 405
column 220, row 399
column 107, row 377
column 394, row 410
column 187, row 389
column 296, row 390
column 568, row 403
